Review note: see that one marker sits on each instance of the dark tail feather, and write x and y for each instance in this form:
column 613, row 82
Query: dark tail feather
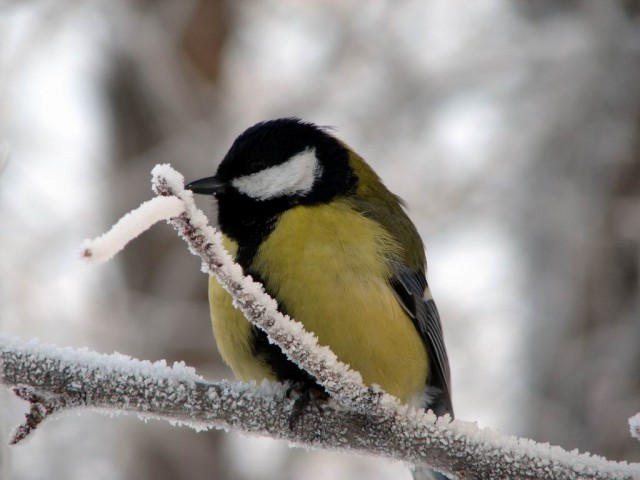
column 440, row 402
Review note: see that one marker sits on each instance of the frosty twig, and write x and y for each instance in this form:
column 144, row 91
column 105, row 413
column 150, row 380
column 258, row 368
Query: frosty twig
column 341, row 382
column 367, row 421
column 64, row 378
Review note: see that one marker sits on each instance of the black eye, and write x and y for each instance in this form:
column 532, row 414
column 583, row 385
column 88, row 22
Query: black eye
column 254, row 165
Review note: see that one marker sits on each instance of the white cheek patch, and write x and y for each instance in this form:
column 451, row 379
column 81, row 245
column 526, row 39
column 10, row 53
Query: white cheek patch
column 296, row 176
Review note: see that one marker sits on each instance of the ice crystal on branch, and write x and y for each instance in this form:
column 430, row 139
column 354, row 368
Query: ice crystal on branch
column 58, row 379
column 104, row 247
column 366, row 420
column 300, row 346
column 634, row 426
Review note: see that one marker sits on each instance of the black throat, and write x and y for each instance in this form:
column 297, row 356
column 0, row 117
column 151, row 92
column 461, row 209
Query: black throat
column 247, row 222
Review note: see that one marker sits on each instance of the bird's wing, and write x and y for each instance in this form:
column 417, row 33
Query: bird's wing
column 412, row 292
column 408, row 280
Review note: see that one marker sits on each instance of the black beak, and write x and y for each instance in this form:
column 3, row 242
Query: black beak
column 207, row 186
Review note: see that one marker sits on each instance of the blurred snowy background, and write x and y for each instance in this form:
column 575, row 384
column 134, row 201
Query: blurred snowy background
column 511, row 128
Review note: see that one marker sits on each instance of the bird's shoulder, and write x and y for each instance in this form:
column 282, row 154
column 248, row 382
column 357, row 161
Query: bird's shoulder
column 373, row 200
column 408, row 275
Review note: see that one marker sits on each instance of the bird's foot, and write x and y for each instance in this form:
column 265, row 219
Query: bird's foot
column 306, row 393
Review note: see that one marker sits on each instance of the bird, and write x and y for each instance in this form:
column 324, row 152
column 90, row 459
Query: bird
column 306, row 216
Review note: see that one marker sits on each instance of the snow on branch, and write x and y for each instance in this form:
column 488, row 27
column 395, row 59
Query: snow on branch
column 357, row 419
column 634, row 426
column 342, row 383
column 103, row 248
column 56, row 379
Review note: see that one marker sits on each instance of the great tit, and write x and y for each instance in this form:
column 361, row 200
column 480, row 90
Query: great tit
column 306, row 216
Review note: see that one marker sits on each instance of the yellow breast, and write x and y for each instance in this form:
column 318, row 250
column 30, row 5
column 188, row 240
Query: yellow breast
column 233, row 332
column 328, row 265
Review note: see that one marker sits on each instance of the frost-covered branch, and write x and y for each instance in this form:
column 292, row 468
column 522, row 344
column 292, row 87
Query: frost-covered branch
column 342, row 383
column 358, row 418
column 103, row 248
column 634, row 426
column 176, row 205
column 57, row 379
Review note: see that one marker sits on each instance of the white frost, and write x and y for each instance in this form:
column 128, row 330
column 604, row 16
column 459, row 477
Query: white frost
column 152, row 390
column 173, row 178
column 156, row 391
column 634, row 426
column 41, row 353
column 300, row 346
column 104, row 247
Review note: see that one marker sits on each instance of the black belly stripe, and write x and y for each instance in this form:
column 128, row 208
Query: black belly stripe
column 283, row 368
column 249, row 235
column 248, row 245
column 248, row 222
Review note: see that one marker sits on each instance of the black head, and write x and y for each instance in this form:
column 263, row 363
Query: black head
column 273, row 166
column 281, row 160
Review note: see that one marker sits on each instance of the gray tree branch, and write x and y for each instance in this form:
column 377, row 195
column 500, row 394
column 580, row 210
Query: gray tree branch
column 357, row 419
column 55, row 380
